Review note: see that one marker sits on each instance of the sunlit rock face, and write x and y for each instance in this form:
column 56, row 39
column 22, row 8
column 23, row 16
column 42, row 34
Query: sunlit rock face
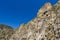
column 46, row 26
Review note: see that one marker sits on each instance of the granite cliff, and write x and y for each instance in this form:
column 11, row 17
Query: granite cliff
column 46, row 25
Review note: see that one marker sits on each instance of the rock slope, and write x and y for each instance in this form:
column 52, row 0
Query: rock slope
column 46, row 26
column 5, row 32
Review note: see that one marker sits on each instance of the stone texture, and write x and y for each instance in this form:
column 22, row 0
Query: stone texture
column 46, row 26
column 5, row 32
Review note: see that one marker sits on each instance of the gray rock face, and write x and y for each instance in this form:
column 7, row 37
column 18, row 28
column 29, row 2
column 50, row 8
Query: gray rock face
column 46, row 26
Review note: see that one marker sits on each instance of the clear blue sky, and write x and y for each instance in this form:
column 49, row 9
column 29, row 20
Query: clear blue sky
column 16, row 12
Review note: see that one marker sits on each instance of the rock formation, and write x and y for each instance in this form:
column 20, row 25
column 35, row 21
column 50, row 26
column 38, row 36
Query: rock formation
column 46, row 26
column 5, row 32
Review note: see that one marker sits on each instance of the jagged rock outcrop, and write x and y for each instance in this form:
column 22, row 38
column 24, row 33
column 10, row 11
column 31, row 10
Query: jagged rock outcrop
column 5, row 32
column 46, row 26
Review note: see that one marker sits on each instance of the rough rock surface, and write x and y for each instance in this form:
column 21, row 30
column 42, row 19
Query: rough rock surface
column 5, row 32
column 46, row 26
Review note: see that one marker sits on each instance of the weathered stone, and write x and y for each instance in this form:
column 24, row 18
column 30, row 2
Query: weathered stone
column 46, row 26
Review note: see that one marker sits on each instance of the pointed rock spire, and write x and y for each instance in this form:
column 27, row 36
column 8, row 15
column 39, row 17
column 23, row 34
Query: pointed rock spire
column 46, row 7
